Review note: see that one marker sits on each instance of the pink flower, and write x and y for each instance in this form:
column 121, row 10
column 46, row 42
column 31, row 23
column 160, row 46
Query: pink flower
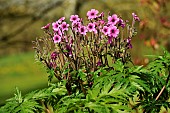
column 53, row 65
column 101, row 15
column 75, row 26
column 121, row 23
column 83, row 30
column 128, row 40
column 74, row 18
column 69, row 50
column 99, row 63
column 66, row 38
column 92, row 13
column 110, row 39
column 113, row 31
column 102, row 22
column 55, row 26
column 91, row 27
column 105, row 30
column 113, row 19
column 46, row 26
column 58, row 32
column 61, row 19
column 54, row 55
column 57, row 38
column 135, row 17
column 64, row 26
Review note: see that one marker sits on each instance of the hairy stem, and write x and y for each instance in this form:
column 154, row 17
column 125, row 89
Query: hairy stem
column 163, row 88
column 160, row 92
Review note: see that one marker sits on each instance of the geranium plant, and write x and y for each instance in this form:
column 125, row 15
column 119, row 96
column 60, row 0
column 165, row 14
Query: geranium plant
column 91, row 62
column 83, row 46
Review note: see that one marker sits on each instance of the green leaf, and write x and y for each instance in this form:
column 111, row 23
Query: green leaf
column 51, row 75
column 81, row 74
column 118, row 66
column 18, row 96
column 66, row 71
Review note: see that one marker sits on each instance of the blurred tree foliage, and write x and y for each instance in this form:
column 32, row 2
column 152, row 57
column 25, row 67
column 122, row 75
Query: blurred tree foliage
column 21, row 20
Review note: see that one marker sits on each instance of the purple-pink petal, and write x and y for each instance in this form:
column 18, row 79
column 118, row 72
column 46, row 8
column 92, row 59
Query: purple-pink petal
column 110, row 39
column 121, row 23
column 92, row 13
column 105, row 30
column 46, row 26
column 57, row 38
column 64, row 26
column 99, row 63
column 83, row 30
column 69, row 50
column 61, row 20
column 54, row 55
column 74, row 18
column 113, row 19
column 58, row 32
column 101, row 15
column 102, row 22
column 91, row 27
column 55, row 26
column 136, row 18
column 113, row 31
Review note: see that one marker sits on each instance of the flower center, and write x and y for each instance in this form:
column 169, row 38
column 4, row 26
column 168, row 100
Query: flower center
column 92, row 14
column 105, row 30
column 64, row 26
column 90, row 26
column 113, row 20
column 112, row 31
column 74, row 18
column 56, row 38
column 82, row 29
column 56, row 25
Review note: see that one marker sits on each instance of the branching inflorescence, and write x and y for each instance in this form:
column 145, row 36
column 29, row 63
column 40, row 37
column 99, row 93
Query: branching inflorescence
column 85, row 46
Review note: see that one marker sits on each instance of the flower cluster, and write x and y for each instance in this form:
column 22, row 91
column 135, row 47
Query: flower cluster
column 86, row 45
column 97, row 25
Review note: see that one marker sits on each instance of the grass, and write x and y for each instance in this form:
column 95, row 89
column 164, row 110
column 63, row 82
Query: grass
column 20, row 70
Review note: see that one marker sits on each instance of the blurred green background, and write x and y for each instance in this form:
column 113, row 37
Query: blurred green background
column 21, row 20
